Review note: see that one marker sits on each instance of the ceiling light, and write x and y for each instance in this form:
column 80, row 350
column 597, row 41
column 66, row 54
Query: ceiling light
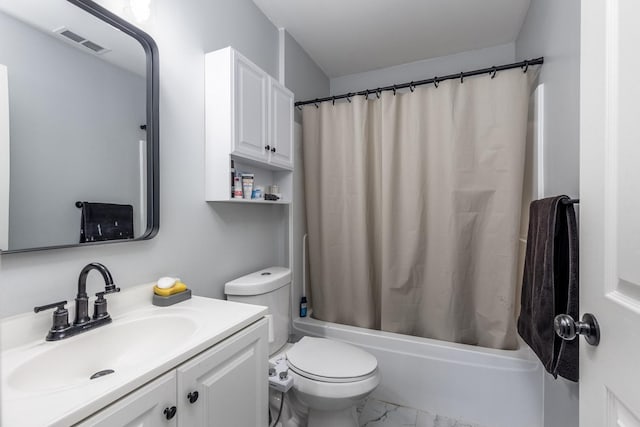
column 141, row 9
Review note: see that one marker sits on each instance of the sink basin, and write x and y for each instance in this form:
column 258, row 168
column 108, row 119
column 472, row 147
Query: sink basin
column 120, row 347
column 49, row 383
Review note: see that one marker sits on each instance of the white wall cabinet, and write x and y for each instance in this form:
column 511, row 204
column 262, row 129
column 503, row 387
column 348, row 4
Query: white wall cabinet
column 249, row 119
column 224, row 386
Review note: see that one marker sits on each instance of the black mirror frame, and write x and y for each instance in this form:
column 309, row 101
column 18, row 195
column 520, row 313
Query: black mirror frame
column 152, row 125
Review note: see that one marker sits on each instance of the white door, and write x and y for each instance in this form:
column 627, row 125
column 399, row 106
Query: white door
column 610, row 211
column 250, row 110
column 281, row 125
column 227, row 386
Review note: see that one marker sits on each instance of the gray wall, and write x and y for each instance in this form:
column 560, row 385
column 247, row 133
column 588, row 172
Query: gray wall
column 425, row 69
column 307, row 81
column 206, row 244
column 552, row 29
column 64, row 146
column 302, row 75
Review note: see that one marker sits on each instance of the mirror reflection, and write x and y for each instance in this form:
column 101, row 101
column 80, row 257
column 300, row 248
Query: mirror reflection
column 74, row 88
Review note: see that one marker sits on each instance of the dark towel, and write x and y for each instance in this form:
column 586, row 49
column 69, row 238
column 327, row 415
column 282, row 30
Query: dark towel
column 550, row 284
column 105, row 221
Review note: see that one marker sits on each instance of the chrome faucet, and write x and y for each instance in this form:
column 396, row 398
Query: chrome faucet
column 61, row 328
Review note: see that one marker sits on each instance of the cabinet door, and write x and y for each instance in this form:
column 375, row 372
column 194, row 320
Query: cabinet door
column 281, row 125
column 250, row 110
column 231, row 382
column 149, row 406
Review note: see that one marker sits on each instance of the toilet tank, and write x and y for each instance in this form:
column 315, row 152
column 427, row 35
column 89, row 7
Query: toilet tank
column 268, row 287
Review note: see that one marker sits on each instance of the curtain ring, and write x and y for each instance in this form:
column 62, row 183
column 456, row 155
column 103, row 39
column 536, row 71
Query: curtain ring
column 299, row 107
column 316, row 103
column 494, row 70
column 349, row 97
column 412, row 87
column 461, row 77
column 378, row 93
column 526, row 66
column 366, row 95
column 333, row 100
column 435, row 81
column 394, row 90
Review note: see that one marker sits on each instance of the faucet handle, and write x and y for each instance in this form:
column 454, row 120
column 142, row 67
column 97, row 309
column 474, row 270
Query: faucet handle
column 60, row 306
column 109, row 289
column 100, row 307
column 60, row 315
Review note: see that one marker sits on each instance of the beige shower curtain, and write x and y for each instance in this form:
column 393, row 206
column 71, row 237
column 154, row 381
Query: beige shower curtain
column 413, row 208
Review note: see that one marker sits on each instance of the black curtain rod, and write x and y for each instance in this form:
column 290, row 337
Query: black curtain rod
column 435, row 80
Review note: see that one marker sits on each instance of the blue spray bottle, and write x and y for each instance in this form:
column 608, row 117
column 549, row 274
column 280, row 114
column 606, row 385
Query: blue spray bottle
column 303, row 300
column 303, row 307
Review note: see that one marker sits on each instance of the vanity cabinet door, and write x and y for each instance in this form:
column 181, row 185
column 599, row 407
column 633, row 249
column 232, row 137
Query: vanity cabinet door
column 153, row 405
column 281, row 125
column 251, row 110
column 231, row 382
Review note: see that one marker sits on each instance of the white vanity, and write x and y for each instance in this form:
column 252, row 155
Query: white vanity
column 201, row 362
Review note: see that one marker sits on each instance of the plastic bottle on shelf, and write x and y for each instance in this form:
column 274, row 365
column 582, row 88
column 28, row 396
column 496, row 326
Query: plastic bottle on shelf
column 237, row 187
column 233, row 178
column 247, row 185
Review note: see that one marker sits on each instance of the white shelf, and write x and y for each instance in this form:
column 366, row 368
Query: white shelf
column 256, row 201
column 239, row 158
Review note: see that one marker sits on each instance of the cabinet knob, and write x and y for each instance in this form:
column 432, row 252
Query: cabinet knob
column 267, row 147
column 193, row 396
column 273, row 149
column 170, row 412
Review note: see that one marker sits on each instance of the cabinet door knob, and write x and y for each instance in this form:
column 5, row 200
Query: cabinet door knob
column 170, row 412
column 193, row 396
column 273, row 150
column 267, row 147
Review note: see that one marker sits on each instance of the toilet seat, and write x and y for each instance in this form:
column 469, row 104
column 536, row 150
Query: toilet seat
column 350, row 391
column 329, row 361
column 313, row 377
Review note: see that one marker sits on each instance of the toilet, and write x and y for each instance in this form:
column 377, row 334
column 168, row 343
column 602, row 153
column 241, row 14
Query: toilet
column 329, row 377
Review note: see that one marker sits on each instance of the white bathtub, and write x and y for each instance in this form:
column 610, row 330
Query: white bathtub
column 495, row 388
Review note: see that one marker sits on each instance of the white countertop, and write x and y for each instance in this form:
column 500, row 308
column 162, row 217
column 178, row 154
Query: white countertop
column 23, row 340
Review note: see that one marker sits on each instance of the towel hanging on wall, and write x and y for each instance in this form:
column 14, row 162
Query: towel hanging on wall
column 105, row 221
column 550, row 284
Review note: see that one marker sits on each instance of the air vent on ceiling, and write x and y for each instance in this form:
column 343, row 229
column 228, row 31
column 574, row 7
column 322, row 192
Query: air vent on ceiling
column 80, row 41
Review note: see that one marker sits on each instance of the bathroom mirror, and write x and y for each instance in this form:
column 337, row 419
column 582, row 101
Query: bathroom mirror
column 79, row 91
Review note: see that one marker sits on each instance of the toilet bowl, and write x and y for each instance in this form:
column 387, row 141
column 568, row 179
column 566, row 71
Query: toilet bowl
column 329, row 377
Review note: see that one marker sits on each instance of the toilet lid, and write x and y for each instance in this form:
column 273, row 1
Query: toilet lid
column 330, row 360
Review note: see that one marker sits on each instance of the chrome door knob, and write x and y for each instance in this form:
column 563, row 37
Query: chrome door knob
column 568, row 329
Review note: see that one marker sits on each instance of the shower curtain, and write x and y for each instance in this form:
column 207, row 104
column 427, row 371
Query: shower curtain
column 413, row 208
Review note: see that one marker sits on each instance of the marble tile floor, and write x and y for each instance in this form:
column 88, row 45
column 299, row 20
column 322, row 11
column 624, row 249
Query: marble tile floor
column 375, row 413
